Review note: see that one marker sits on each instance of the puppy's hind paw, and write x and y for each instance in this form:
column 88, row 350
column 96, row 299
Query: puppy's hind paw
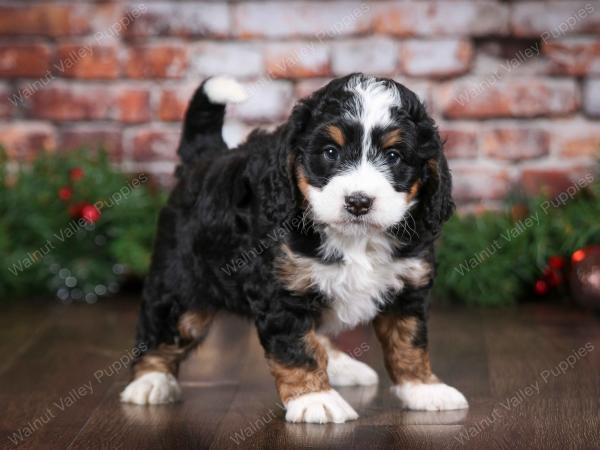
column 319, row 407
column 152, row 388
column 346, row 371
column 430, row 396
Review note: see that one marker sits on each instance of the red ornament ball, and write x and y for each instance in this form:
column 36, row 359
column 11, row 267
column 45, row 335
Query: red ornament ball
column 76, row 174
column 90, row 213
column 585, row 277
column 65, row 193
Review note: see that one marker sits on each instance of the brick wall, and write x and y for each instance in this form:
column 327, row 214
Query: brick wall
column 515, row 86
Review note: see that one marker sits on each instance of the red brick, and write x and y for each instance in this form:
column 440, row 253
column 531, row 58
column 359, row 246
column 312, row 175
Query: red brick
column 45, row 19
column 297, row 60
column 514, row 144
column 472, row 182
column 539, row 19
column 24, row 60
column 173, row 102
column 460, row 142
column 435, row 58
column 87, row 61
column 178, row 19
column 153, row 143
column 133, row 105
column 549, row 181
column 66, row 101
column 105, row 137
column 157, row 61
column 577, row 139
column 23, row 141
column 575, row 56
column 59, row 101
column 317, row 20
column 591, row 98
column 374, row 55
column 582, row 146
column 466, row 18
column 233, row 58
column 6, row 106
column 523, row 97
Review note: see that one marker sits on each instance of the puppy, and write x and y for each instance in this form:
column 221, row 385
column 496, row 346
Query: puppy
column 323, row 224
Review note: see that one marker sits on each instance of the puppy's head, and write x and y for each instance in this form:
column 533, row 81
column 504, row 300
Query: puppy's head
column 367, row 155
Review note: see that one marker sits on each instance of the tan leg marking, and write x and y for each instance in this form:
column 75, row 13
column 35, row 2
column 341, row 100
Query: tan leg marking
column 292, row 382
column 403, row 361
column 192, row 327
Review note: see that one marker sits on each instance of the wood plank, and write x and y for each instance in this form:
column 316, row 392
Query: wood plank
column 51, row 389
column 230, row 399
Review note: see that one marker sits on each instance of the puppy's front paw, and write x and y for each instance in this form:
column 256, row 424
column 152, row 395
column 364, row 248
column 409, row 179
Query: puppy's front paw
column 319, row 407
column 152, row 388
column 429, row 397
column 346, row 371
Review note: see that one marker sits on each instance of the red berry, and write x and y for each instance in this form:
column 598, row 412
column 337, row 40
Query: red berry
column 556, row 262
column 65, row 193
column 76, row 173
column 541, row 287
column 90, row 213
column 578, row 255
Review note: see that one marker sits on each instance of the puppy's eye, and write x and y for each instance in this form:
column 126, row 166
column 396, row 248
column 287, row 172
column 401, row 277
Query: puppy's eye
column 331, row 153
column 392, row 157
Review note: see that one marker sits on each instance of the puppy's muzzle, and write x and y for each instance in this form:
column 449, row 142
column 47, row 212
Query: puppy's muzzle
column 358, row 203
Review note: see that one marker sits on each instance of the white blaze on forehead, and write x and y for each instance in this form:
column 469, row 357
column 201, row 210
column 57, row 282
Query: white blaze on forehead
column 373, row 101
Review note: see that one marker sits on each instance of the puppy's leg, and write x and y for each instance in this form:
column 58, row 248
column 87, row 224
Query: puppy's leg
column 407, row 362
column 299, row 364
column 343, row 370
column 154, row 374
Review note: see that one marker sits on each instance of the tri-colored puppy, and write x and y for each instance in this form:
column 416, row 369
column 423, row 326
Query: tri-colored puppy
column 357, row 179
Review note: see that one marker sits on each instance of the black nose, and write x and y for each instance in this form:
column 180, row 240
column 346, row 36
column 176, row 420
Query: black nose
column 358, row 203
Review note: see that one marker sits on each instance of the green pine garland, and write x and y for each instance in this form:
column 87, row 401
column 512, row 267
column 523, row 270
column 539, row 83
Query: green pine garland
column 46, row 247
column 494, row 259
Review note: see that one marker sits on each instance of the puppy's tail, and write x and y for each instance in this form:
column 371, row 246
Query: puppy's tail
column 204, row 117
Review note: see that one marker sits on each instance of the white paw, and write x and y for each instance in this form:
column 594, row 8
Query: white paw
column 346, row 371
column 319, row 407
column 429, row 397
column 224, row 89
column 152, row 388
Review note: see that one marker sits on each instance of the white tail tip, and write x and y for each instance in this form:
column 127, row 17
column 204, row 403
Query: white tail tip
column 223, row 89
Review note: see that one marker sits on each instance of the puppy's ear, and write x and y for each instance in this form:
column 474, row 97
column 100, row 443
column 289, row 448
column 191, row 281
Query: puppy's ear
column 436, row 194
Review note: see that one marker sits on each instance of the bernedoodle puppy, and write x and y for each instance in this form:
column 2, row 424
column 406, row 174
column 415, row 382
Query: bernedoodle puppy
column 357, row 183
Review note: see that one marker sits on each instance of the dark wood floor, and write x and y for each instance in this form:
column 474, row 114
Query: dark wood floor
column 532, row 376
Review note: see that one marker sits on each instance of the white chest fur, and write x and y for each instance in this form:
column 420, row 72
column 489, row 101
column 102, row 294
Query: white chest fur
column 360, row 284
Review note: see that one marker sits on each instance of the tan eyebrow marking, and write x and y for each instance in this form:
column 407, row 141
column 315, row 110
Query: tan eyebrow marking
column 391, row 138
column 336, row 134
